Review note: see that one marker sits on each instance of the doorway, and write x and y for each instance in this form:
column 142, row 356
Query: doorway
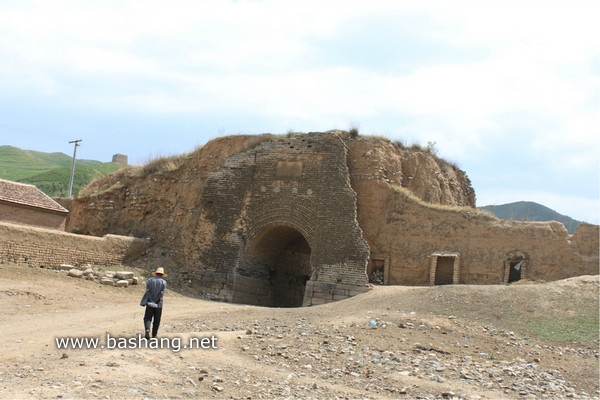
column 444, row 273
column 377, row 270
column 278, row 261
column 444, row 268
column 514, row 273
column 515, row 266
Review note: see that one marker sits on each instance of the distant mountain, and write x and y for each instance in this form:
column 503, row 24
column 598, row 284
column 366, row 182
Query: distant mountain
column 50, row 172
column 530, row 211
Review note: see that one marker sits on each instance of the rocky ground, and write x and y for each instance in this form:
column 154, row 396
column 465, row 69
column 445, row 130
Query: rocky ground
column 461, row 342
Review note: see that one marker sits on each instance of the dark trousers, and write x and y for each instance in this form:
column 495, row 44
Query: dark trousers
column 152, row 314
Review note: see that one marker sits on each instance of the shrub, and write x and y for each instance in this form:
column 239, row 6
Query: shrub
column 399, row 144
column 415, row 147
column 353, row 131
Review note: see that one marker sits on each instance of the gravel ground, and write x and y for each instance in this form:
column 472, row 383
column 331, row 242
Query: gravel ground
column 393, row 342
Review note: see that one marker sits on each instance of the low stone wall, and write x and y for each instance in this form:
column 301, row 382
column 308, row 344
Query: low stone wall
column 47, row 248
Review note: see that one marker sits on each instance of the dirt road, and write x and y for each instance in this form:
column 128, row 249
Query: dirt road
column 393, row 342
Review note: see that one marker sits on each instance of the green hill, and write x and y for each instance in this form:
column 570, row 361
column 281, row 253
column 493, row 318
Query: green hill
column 50, row 172
column 530, row 211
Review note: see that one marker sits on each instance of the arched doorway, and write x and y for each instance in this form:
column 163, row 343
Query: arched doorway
column 515, row 265
column 279, row 257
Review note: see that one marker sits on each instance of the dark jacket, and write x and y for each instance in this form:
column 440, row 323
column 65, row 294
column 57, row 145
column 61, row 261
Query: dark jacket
column 155, row 291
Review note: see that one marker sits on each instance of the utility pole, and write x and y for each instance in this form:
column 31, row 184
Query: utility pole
column 73, row 165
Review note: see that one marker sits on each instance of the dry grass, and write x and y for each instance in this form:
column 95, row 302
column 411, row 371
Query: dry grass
column 162, row 164
column 374, row 138
column 472, row 212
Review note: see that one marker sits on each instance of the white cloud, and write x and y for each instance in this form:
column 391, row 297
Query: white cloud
column 524, row 72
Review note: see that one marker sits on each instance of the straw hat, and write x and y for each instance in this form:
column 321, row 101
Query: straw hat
column 159, row 270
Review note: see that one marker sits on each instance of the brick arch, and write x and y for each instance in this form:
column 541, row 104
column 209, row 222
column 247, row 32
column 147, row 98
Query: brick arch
column 299, row 215
column 278, row 219
column 274, row 268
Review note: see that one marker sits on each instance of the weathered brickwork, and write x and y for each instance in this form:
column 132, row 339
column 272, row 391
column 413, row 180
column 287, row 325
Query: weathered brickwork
column 297, row 190
column 50, row 248
column 31, row 216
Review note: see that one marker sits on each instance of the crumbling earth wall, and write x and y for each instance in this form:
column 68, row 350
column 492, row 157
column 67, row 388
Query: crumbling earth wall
column 407, row 236
column 306, row 219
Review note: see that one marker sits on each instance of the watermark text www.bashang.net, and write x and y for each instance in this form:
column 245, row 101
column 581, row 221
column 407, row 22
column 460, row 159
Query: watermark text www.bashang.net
column 176, row 344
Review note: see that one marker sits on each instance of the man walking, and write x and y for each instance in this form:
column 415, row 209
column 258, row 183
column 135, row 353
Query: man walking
column 153, row 300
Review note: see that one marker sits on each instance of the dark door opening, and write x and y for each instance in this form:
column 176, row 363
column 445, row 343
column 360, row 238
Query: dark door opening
column 280, row 256
column 376, row 271
column 514, row 273
column 444, row 271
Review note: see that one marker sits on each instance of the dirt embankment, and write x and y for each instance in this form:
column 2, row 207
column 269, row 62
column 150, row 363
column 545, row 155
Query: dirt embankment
column 429, row 178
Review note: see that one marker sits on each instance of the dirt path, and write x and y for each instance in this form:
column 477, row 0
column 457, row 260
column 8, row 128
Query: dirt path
column 393, row 342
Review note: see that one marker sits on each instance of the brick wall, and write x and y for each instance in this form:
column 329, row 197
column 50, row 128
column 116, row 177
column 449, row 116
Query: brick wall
column 47, row 248
column 32, row 216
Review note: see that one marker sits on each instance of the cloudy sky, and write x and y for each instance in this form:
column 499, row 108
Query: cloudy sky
column 508, row 91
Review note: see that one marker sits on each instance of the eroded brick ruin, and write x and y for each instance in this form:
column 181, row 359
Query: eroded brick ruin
column 285, row 225
column 311, row 218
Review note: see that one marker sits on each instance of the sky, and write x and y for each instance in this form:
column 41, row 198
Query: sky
column 509, row 91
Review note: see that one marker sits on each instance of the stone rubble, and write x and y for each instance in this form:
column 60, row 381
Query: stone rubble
column 313, row 354
column 377, row 277
column 110, row 278
column 330, row 362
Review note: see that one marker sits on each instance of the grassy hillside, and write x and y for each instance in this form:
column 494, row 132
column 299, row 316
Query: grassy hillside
column 530, row 211
column 50, row 172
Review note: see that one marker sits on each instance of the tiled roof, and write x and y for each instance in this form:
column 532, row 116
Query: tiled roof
column 29, row 195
